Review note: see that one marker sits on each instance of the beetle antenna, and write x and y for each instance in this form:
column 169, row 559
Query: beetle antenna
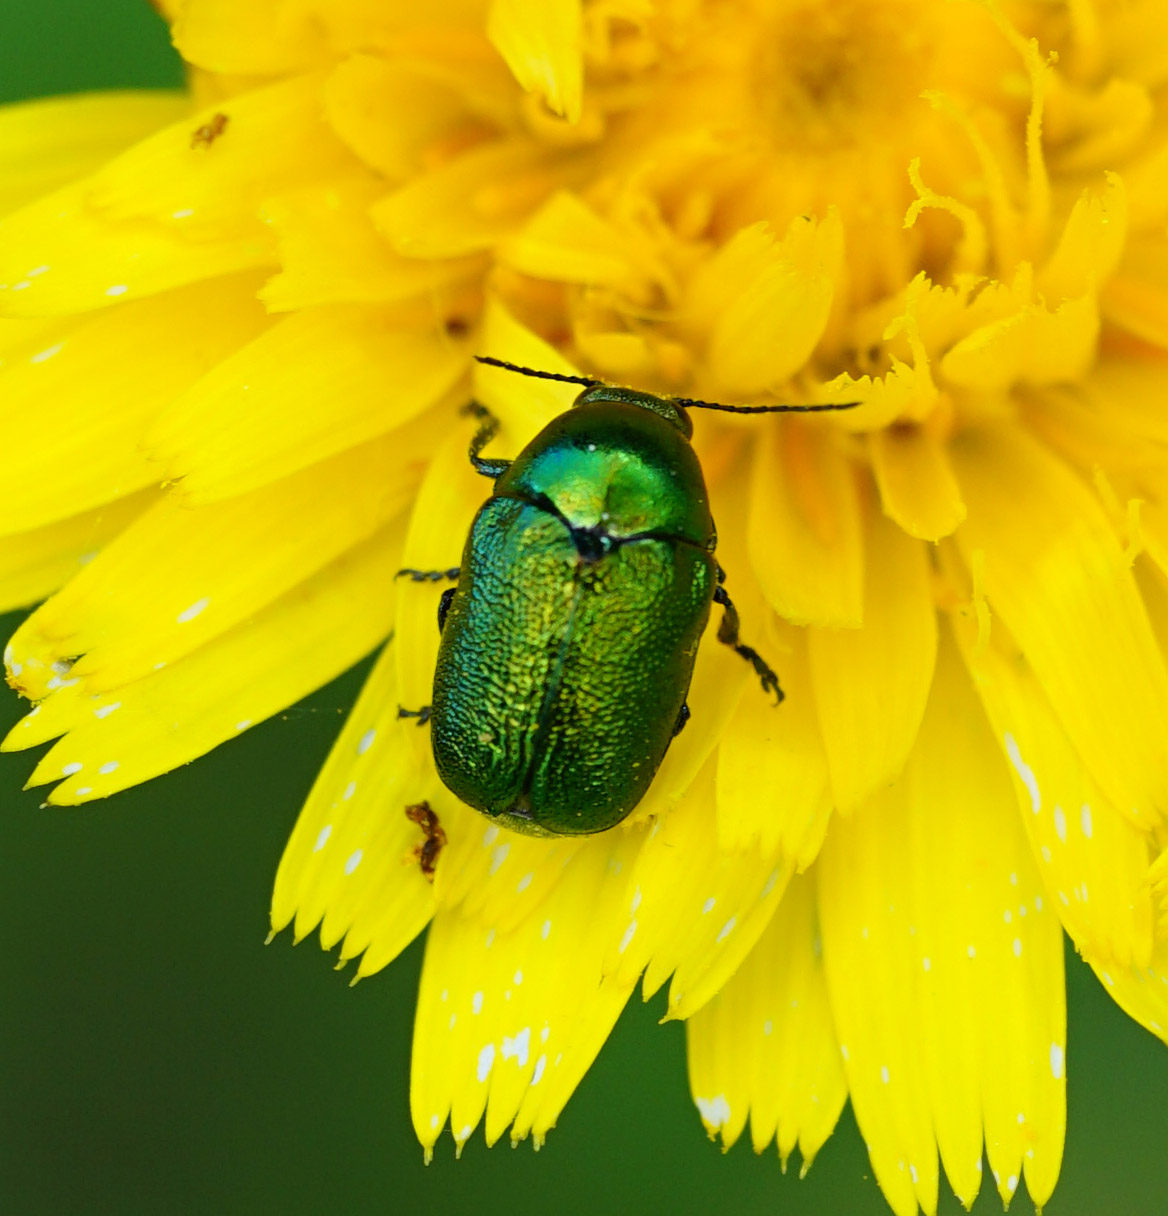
column 691, row 404
column 586, row 381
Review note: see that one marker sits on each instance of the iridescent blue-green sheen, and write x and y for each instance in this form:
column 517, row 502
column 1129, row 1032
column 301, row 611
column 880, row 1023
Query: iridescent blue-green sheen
column 569, row 644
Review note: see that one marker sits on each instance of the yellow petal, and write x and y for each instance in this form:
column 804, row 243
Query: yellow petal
column 1135, row 298
column 317, row 383
column 259, row 37
column 394, row 115
column 168, row 718
column 543, row 46
column 772, row 771
column 450, row 494
column 567, row 241
column 204, row 570
column 691, row 910
column 1141, row 992
column 1092, row 859
column 914, row 892
column 469, row 203
column 52, row 141
column 871, row 683
column 166, row 212
column 34, row 564
column 1065, row 591
column 349, row 860
column 331, row 253
column 97, row 387
column 508, row 1021
column 917, row 486
column 765, row 1043
column 767, row 301
column 804, row 527
column 1035, row 345
column 1090, row 246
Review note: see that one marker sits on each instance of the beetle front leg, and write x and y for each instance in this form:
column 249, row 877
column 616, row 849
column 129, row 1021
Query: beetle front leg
column 728, row 636
column 486, row 432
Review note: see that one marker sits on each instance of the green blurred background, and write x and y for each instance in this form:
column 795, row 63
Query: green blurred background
column 155, row 1057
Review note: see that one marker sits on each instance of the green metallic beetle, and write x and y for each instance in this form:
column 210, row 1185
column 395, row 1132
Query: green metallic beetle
column 585, row 586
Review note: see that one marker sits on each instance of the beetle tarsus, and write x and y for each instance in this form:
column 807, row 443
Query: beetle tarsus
column 683, row 716
column 426, row 853
column 423, row 714
column 728, row 636
column 428, row 576
column 486, row 432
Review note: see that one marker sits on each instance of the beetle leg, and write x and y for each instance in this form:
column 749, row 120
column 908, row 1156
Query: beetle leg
column 486, row 432
column 428, row 576
column 683, row 716
column 423, row 714
column 728, row 636
column 444, row 607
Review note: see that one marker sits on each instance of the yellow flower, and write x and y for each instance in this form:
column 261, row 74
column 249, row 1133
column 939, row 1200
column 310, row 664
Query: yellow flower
column 233, row 360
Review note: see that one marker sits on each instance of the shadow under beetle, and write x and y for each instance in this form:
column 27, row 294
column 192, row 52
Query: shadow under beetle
column 586, row 583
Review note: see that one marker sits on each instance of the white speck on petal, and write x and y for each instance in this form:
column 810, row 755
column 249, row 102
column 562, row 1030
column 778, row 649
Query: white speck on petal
column 518, row 1047
column 189, row 614
column 83, row 790
column 1038, row 903
column 1060, row 824
column 1024, row 771
column 1007, row 916
column 1085, row 820
column 433, row 1123
column 349, row 791
column 476, row 1002
column 354, row 861
column 635, row 902
column 884, row 1073
column 537, row 1074
column 524, row 883
column 366, row 741
column 43, row 356
column 69, row 769
column 545, row 930
column 498, row 856
column 182, row 213
column 627, row 937
column 714, row 1111
column 708, row 906
column 110, row 766
column 1046, row 853
column 912, row 1173
column 725, row 930
column 322, row 837
column 971, row 951
column 37, row 271
column 844, row 1052
column 769, row 885
column 104, row 711
column 517, row 979
column 927, row 963
column 1012, row 1183
column 1056, row 1061
column 490, row 939
column 242, row 724
column 118, row 289
column 486, row 1062
column 490, row 835
column 1017, row 947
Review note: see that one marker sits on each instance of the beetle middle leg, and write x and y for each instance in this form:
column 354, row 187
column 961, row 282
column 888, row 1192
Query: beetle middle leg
column 728, row 636
column 428, row 576
column 488, row 429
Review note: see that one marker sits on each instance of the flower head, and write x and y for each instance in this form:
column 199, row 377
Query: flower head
column 249, row 335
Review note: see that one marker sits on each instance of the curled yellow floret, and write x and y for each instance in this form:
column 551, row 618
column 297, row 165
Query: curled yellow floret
column 246, row 318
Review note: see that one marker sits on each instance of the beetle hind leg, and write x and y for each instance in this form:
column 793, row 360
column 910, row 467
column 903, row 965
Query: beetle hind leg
column 728, row 636
column 423, row 714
